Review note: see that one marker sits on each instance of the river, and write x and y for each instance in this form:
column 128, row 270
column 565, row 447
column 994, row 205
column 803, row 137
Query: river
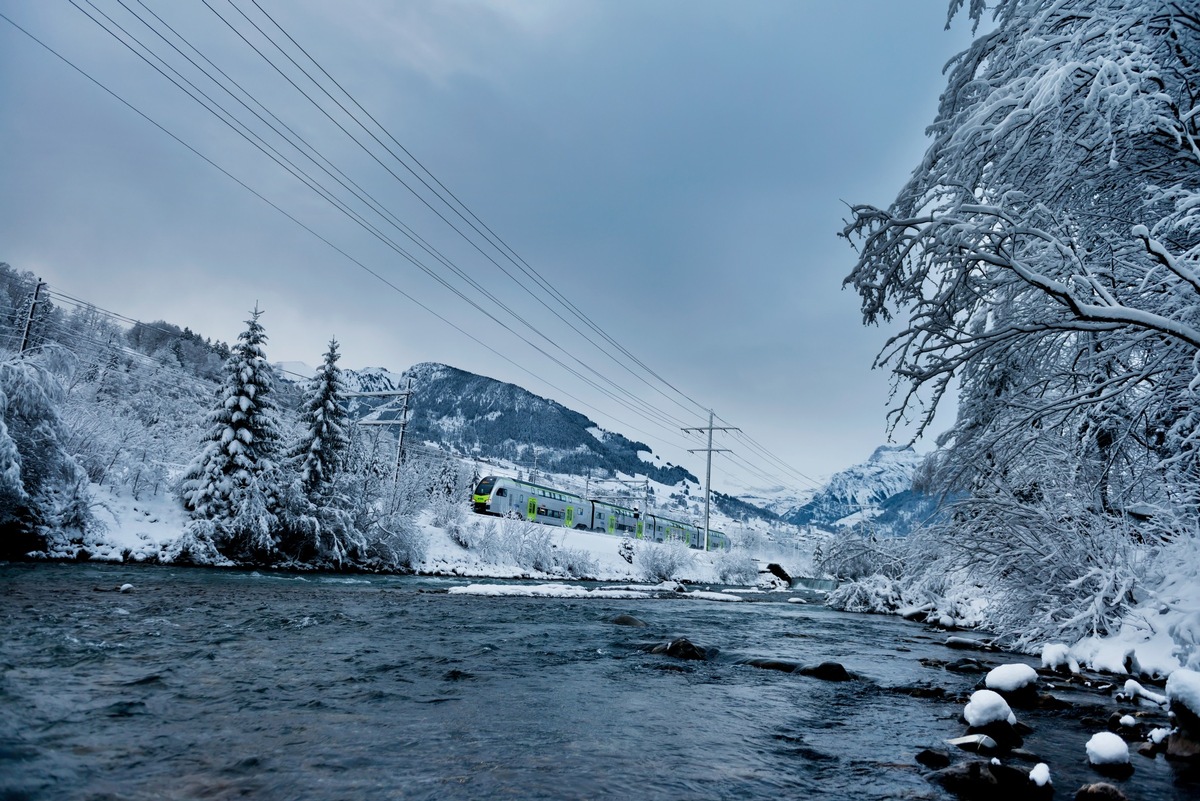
column 209, row 684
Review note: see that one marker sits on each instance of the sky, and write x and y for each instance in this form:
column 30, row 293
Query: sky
column 677, row 170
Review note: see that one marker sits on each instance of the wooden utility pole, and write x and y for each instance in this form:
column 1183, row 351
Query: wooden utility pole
column 710, row 450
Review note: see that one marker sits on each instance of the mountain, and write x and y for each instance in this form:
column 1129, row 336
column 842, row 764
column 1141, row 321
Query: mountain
column 476, row 416
column 861, row 490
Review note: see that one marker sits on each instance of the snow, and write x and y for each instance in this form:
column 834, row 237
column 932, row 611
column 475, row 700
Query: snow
column 1134, row 690
column 1055, row 655
column 546, row 591
column 1040, row 775
column 987, row 706
column 1106, row 748
column 1156, row 736
column 712, row 596
column 1183, row 688
column 1010, row 678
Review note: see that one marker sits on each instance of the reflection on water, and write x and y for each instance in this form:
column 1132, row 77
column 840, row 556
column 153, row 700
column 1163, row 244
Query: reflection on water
column 215, row 685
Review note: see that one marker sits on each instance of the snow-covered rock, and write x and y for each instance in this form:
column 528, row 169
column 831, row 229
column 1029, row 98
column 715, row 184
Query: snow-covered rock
column 1106, row 748
column 1010, row 678
column 987, row 706
column 1040, row 775
column 1183, row 688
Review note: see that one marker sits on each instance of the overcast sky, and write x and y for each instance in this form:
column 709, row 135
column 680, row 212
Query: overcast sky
column 678, row 169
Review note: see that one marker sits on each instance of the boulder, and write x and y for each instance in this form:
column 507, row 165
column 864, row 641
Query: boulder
column 1004, row 733
column 627, row 620
column 1101, row 791
column 1183, row 694
column 934, row 758
column 829, row 671
column 986, row 781
column 777, row 570
column 681, row 648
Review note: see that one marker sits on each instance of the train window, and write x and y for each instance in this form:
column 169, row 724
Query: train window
column 500, row 493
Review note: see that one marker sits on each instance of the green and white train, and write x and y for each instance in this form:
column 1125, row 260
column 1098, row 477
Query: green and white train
column 508, row 497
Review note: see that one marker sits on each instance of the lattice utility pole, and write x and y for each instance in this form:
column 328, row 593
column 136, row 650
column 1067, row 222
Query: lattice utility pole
column 402, row 422
column 710, row 450
column 37, row 290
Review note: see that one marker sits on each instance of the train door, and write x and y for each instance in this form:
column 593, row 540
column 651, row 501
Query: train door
column 569, row 518
column 531, row 509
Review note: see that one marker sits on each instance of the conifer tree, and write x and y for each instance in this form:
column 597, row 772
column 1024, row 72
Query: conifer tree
column 321, row 454
column 235, row 480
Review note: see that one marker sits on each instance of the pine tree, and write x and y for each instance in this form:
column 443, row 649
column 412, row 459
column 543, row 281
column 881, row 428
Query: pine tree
column 322, row 452
column 235, row 479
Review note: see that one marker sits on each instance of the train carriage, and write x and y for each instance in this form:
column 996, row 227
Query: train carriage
column 510, row 497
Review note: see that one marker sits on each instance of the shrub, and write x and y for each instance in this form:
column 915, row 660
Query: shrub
column 663, row 562
column 736, row 567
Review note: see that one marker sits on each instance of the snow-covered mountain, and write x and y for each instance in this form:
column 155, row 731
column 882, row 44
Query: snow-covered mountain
column 476, row 416
column 860, row 490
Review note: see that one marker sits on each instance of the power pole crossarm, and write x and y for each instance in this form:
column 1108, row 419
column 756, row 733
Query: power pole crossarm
column 710, row 450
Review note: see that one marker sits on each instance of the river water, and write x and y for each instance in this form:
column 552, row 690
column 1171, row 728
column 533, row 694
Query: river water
column 206, row 684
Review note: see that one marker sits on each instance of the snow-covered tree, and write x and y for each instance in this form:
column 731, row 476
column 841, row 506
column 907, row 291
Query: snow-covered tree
column 1046, row 252
column 43, row 490
column 322, row 451
column 235, row 480
column 1045, row 259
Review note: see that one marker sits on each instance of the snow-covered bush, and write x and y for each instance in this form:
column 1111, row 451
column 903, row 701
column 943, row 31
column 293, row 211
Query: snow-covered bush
column 736, row 567
column 396, row 543
column 527, row 545
column 197, row 546
column 1053, row 571
column 877, row 593
column 449, row 512
column 662, row 562
column 576, row 562
column 854, row 556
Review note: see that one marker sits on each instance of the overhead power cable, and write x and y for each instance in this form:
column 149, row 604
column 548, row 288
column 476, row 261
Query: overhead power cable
column 314, row 156
column 229, row 119
column 470, row 218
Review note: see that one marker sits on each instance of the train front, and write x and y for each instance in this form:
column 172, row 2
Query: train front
column 483, row 495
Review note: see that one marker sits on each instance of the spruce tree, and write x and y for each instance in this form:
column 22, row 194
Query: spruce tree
column 321, row 454
column 234, row 482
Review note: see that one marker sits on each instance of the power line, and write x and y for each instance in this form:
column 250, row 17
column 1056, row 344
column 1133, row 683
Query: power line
column 657, row 417
column 225, row 116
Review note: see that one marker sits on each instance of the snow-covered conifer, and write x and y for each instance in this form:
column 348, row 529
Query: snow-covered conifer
column 235, row 479
column 322, row 451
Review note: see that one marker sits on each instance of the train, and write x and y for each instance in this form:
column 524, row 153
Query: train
column 509, row 497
